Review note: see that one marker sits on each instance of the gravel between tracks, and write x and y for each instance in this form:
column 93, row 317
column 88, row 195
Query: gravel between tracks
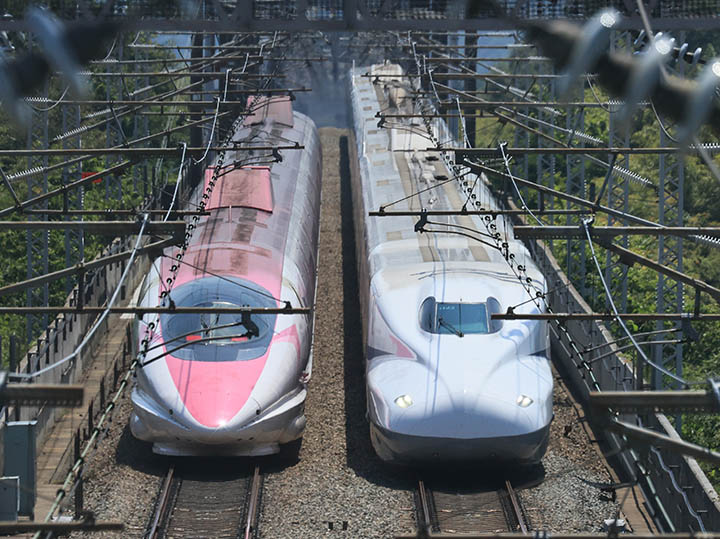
column 337, row 481
column 565, row 501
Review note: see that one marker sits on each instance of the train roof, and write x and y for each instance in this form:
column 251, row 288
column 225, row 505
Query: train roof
column 245, row 187
column 399, row 173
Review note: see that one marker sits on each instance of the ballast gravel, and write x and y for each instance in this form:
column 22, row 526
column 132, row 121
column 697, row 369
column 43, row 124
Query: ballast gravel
column 568, row 498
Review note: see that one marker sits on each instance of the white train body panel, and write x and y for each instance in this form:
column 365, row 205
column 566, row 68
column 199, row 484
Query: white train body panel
column 433, row 395
column 238, row 395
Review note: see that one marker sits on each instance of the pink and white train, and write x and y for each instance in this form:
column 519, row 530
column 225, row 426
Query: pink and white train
column 231, row 384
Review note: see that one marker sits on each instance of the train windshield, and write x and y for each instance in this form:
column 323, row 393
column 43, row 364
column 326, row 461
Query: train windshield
column 218, row 336
column 453, row 318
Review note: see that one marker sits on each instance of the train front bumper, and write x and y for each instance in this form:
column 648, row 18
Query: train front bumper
column 280, row 424
column 407, row 449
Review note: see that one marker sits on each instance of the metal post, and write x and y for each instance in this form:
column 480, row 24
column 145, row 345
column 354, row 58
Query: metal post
column 521, row 137
column 74, row 239
column 113, row 129
column 12, row 352
column 671, row 185
column 671, row 178
column 617, row 196
column 79, row 493
column 37, row 241
column 196, row 134
column 575, row 184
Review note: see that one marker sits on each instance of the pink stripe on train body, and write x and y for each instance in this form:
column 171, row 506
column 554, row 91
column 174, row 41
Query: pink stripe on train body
column 214, row 392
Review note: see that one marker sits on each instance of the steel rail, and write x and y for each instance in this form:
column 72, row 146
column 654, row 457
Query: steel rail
column 178, row 60
column 55, row 166
column 455, row 59
column 115, row 212
column 65, row 188
column 424, row 514
column 685, row 535
column 532, row 231
column 478, row 168
column 493, row 152
column 157, row 102
column 257, row 91
column 515, row 503
column 205, row 47
column 202, row 74
column 125, row 111
column 161, row 510
column 61, row 528
column 527, row 104
column 64, row 395
column 460, row 76
column 81, row 267
column 176, row 228
column 655, row 401
column 421, row 46
column 253, row 506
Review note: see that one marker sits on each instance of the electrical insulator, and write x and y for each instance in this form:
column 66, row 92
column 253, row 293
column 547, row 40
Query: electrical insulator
column 50, row 34
column 12, row 102
column 696, row 56
column 645, row 76
column 595, row 37
column 698, row 104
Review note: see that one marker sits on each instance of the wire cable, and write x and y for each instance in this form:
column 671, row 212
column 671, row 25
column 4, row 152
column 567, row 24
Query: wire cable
column 609, row 297
column 177, row 183
column 48, row 109
column 517, row 189
column 100, row 319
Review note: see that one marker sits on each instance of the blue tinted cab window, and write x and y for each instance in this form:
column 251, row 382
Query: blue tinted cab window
column 245, row 337
column 453, row 318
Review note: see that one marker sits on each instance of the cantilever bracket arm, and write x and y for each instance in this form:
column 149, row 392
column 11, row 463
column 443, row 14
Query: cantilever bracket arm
column 81, row 267
column 649, row 437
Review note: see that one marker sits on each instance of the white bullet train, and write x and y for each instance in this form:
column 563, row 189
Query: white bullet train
column 444, row 382
column 226, row 384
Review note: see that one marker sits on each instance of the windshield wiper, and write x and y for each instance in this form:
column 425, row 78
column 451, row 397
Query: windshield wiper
column 450, row 327
column 252, row 328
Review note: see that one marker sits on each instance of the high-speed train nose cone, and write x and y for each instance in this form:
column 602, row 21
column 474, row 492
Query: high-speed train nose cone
column 214, row 392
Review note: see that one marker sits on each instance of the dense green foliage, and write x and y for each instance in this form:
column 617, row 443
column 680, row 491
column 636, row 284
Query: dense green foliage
column 137, row 181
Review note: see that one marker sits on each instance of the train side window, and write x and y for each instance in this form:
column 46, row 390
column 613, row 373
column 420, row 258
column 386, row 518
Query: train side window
column 428, row 311
column 493, row 307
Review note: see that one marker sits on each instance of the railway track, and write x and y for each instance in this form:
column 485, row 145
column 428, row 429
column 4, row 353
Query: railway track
column 460, row 510
column 207, row 501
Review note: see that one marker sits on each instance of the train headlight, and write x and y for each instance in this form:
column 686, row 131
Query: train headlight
column 523, row 401
column 403, row 401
